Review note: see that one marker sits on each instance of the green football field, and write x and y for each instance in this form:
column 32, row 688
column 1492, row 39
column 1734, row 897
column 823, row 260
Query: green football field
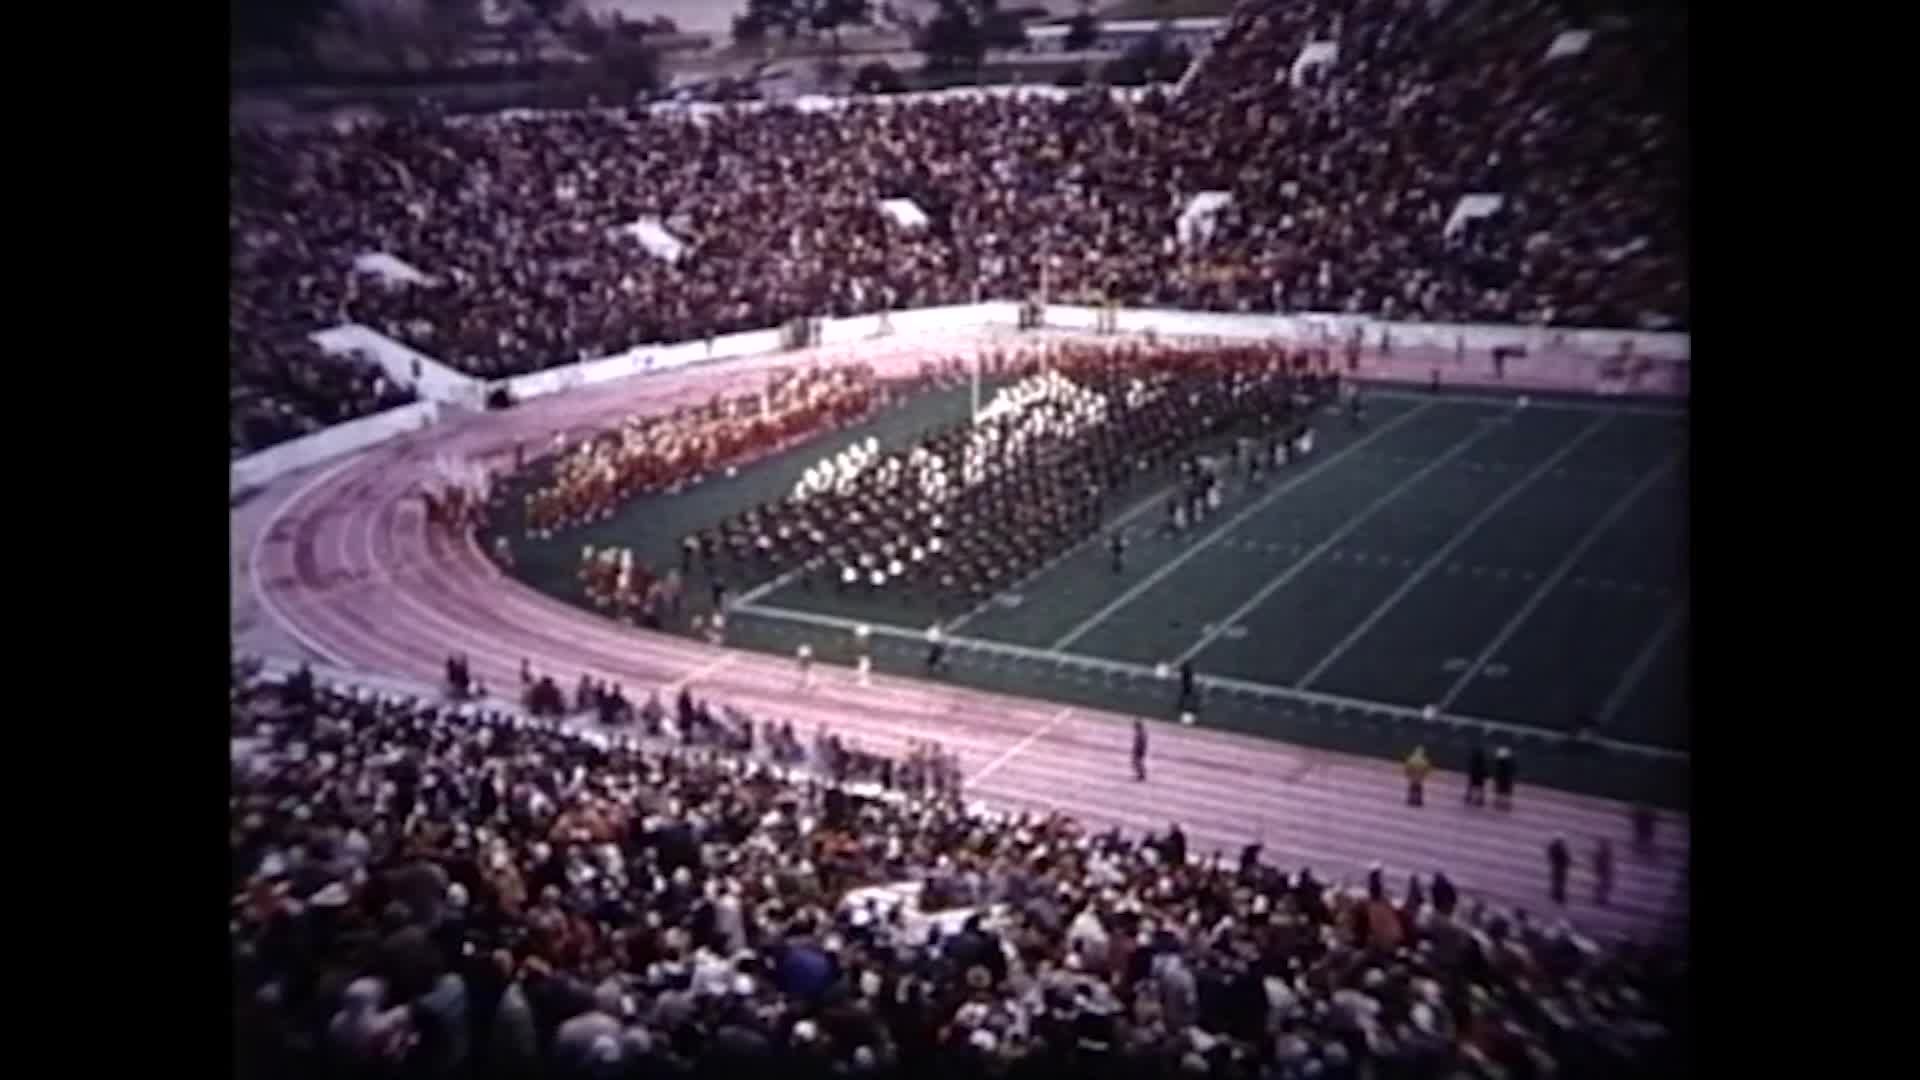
column 1518, row 568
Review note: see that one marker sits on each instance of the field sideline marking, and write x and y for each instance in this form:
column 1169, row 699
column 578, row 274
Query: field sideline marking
column 1346, row 529
column 1560, row 572
column 1433, row 561
column 1399, row 391
column 1637, row 670
column 1245, row 686
column 1229, row 525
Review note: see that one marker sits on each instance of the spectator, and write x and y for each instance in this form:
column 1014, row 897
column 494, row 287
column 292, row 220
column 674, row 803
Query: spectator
column 1559, row 859
column 677, row 913
column 514, row 221
column 1417, row 768
column 1504, row 770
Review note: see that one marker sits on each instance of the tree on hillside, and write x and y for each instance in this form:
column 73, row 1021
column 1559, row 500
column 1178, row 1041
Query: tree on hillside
column 1154, row 58
column 620, row 71
column 1082, row 32
column 877, row 78
column 749, row 28
column 286, row 25
column 962, row 31
column 795, row 18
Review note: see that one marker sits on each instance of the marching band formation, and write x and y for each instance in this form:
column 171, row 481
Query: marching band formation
column 657, row 453
column 971, row 508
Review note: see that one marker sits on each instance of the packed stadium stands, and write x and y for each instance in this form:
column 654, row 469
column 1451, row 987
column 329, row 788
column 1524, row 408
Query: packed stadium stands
column 1345, row 183
column 429, row 889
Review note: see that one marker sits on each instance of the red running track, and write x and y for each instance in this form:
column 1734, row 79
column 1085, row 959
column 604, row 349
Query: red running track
column 344, row 566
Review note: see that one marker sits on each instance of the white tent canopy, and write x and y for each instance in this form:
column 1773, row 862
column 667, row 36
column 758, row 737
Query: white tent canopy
column 1468, row 208
column 654, row 237
column 1569, row 43
column 390, row 270
column 905, row 213
column 1314, row 54
column 1195, row 224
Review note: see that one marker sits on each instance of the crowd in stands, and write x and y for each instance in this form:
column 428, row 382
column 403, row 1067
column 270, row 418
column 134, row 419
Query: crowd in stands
column 284, row 388
column 1342, row 186
column 282, row 286
column 424, row 889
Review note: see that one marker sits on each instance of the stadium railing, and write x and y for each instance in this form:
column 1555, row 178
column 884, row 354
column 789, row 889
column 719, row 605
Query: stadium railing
column 439, row 384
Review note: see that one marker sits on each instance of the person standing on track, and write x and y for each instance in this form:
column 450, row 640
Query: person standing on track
column 1477, row 777
column 1139, row 751
column 1504, row 769
column 1417, row 769
column 1558, row 860
column 804, row 657
column 1188, row 702
column 1645, row 821
column 1118, row 545
column 936, row 649
column 863, row 658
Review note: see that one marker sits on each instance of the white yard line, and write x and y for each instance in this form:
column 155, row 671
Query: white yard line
column 1353, row 523
column 705, row 671
column 1438, row 557
column 1012, row 751
column 1638, row 669
column 1030, row 653
column 1229, row 525
column 1126, row 516
column 1553, row 580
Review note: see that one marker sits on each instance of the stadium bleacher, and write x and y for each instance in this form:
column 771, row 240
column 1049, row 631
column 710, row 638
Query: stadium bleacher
column 1342, row 184
column 426, row 888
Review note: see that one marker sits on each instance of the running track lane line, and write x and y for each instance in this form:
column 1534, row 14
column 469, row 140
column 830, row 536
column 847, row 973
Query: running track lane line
column 1559, row 574
column 489, row 572
column 1013, row 751
column 1433, row 561
column 1638, row 669
column 1352, row 524
column 469, row 550
column 1516, row 884
column 260, row 539
column 1231, row 523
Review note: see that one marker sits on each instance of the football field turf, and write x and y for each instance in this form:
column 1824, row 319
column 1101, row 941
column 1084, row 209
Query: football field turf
column 1517, row 568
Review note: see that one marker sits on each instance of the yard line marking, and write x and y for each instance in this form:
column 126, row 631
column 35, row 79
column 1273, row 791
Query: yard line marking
column 1472, row 526
column 1559, row 573
column 1008, row 754
column 1637, row 670
column 704, row 671
column 1352, row 524
column 885, row 632
column 1134, row 511
column 1229, row 525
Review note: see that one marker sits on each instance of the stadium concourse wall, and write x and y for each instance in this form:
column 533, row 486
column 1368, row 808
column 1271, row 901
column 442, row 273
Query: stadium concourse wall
column 439, row 385
column 263, row 467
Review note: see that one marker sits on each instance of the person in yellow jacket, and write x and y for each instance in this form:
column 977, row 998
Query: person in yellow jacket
column 1417, row 769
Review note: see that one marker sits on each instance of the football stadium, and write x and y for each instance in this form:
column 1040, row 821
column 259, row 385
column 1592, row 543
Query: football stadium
column 1183, row 574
